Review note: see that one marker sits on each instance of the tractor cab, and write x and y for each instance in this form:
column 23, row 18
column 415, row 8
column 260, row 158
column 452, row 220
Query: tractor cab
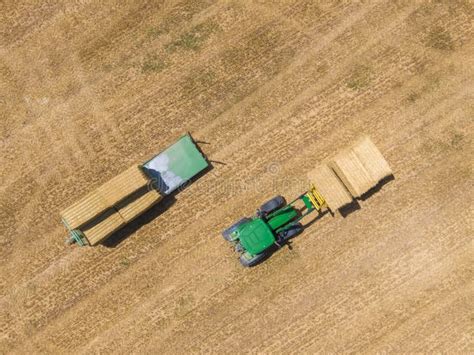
column 255, row 236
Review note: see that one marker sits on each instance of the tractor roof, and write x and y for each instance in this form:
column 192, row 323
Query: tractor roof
column 256, row 236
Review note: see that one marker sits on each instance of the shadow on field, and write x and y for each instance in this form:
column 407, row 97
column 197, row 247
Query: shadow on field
column 315, row 219
column 349, row 208
column 377, row 187
column 355, row 205
column 130, row 228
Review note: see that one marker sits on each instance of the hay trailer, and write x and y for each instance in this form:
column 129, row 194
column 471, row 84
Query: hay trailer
column 117, row 202
column 333, row 185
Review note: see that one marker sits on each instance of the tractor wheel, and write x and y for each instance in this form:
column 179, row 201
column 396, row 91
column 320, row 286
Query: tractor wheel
column 273, row 204
column 289, row 233
column 227, row 233
column 249, row 261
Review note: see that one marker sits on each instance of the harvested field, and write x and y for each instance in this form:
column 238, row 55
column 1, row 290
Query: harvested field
column 273, row 89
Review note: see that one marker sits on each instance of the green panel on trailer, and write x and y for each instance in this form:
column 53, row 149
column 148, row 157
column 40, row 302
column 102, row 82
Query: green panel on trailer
column 175, row 165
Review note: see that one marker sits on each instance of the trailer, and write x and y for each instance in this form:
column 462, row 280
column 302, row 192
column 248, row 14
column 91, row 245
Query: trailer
column 120, row 200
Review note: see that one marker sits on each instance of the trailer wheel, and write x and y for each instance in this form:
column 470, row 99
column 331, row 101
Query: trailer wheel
column 227, row 233
column 273, row 204
column 248, row 260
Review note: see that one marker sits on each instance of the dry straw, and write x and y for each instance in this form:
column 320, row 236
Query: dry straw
column 123, row 185
column 352, row 173
column 372, row 160
column 361, row 167
column 104, row 197
column 136, row 204
column 84, row 210
column 103, row 226
column 330, row 187
column 111, row 206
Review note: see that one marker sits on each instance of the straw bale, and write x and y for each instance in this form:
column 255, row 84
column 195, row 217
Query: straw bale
column 330, row 187
column 372, row 159
column 103, row 226
column 137, row 203
column 352, row 173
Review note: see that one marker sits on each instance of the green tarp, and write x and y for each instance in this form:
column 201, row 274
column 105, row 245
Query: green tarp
column 176, row 165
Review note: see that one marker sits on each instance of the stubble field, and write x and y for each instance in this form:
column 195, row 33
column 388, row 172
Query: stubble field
column 273, row 88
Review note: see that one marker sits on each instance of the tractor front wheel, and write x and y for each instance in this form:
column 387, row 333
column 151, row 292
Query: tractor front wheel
column 227, row 233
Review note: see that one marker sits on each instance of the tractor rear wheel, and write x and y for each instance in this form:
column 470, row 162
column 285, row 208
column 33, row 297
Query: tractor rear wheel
column 273, row 204
column 227, row 233
column 252, row 260
column 289, row 233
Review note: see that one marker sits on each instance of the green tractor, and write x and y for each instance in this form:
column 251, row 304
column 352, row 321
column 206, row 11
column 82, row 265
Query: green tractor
column 274, row 224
